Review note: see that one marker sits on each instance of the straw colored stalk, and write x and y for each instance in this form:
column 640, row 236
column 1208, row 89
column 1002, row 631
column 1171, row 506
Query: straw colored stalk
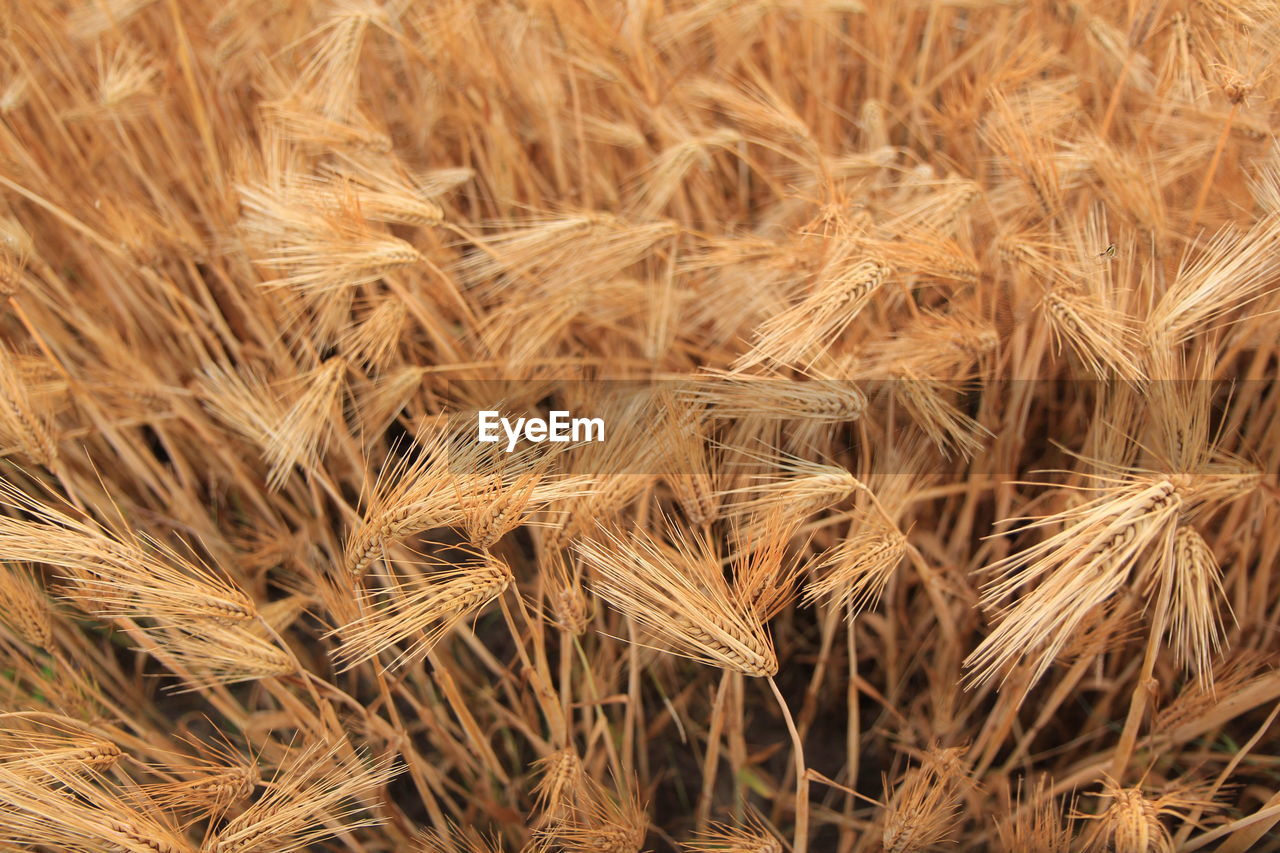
column 388, row 192
column 609, row 474
column 292, row 435
column 329, row 79
column 937, row 209
column 560, row 254
column 766, row 568
column 309, row 129
column 1235, row 269
column 208, row 785
column 376, row 187
column 667, row 174
column 454, row 482
column 402, row 205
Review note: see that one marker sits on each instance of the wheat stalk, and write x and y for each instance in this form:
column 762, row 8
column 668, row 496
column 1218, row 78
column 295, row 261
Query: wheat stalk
column 843, row 280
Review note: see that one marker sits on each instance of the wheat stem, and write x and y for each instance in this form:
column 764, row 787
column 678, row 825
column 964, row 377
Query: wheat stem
column 800, row 844
column 1207, row 182
column 1145, row 688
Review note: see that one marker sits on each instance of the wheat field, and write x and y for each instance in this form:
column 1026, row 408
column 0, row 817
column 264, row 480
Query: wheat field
column 933, row 347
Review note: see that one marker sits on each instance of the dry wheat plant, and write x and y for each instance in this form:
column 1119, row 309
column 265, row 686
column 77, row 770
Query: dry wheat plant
column 935, row 349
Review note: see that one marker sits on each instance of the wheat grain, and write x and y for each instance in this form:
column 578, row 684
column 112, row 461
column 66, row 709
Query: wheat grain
column 677, row 591
column 420, row 612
